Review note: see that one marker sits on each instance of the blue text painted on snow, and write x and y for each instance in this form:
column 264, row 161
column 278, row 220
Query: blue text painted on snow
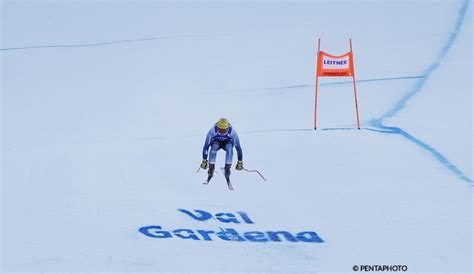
column 228, row 234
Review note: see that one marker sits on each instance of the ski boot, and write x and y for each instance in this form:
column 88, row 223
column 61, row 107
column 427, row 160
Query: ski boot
column 227, row 171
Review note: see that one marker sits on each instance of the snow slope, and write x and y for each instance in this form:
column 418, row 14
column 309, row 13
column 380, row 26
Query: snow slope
column 105, row 106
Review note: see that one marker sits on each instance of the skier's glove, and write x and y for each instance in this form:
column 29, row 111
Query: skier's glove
column 240, row 165
column 204, row 164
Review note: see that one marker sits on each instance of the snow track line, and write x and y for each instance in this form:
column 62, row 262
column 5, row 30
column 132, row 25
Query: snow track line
column 420, row 83
column 440, row 157
column 298, row 86
column 98, row 44
column 346, row 82
column 277, row 130
column 375, row 80
column 427, row 73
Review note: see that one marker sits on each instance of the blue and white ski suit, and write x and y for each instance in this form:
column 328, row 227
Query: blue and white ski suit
column 226, row 141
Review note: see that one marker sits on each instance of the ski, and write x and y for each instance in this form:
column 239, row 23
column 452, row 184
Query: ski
column 209, row 177
column 227, row 178
column 229, row 184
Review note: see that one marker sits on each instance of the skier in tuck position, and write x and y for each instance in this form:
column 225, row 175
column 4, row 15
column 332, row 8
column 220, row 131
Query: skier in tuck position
column 221, row 136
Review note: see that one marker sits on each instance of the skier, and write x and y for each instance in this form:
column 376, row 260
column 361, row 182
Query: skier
column 221, row 136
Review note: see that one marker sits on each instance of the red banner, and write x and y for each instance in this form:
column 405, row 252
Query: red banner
column 335, row 66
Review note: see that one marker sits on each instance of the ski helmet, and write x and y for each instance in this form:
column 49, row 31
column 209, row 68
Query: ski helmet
column 223, row 123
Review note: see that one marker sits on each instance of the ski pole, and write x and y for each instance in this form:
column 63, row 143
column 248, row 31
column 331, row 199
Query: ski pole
column 254, row 170
column 198, row 169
